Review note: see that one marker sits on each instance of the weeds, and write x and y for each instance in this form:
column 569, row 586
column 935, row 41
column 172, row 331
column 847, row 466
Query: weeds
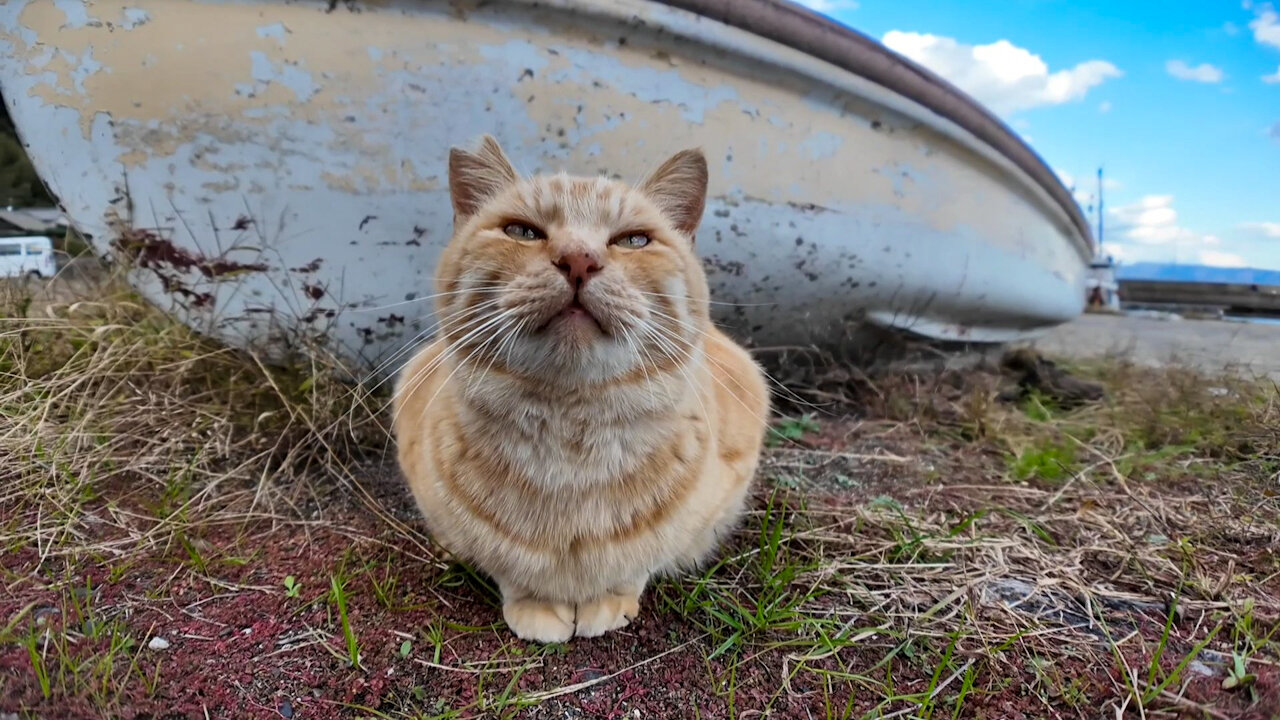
column 338, row 596
column 35, row 649
column 792, row 429
column 953, row 555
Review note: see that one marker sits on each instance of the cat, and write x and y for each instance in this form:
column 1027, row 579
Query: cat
column 579, row 425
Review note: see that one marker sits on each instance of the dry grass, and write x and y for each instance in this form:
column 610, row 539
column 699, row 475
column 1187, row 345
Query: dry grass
column 920, row 548
column 103, row 392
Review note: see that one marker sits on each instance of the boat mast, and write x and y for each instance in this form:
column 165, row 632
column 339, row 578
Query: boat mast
column 1099, row 210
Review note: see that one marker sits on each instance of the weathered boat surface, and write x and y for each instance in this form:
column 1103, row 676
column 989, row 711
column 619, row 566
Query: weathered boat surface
column 276, row 169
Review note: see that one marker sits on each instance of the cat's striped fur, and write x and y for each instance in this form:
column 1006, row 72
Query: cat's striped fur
column 579, row 424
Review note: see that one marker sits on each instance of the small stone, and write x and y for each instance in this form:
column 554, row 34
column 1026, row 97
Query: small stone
column 286, row 710
column 1215, row 657
column 158, row 643
column 42, row 617
column 1200, row 668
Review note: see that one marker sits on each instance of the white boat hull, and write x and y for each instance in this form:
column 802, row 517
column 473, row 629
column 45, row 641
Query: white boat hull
column 277, row 169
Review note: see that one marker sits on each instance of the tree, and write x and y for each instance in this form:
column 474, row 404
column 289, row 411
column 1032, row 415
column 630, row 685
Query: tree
column 20, row 186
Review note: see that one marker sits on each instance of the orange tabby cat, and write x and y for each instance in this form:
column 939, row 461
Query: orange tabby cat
column 579, row 425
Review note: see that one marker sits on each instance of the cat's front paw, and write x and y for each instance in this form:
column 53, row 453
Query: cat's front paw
column 607, row 613
column 539, row 621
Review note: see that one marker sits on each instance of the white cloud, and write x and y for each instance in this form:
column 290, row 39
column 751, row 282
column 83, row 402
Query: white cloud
column 1265, row 229
column 1180, row 253
column 1204, row 72
column 1001, row 75
column 1266, row 26
column 1185, row 253
column 1104, row 106
column 1218, row 258
column 1108, row 183
column 1151, row 220
column 829, row 6
column 1085, row 187
column 1148, row 231
column 1272, row 79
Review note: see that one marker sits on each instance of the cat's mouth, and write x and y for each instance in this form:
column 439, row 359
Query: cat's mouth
column 575, row 314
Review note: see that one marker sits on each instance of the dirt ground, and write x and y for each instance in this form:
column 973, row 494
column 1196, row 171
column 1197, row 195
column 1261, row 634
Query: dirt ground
column 1210, row 345
column 188, row 533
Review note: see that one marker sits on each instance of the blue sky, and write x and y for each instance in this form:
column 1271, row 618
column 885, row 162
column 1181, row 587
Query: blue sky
column 1179, row 101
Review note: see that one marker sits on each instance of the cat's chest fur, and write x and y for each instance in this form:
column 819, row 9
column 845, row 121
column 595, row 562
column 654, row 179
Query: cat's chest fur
column 569, row 442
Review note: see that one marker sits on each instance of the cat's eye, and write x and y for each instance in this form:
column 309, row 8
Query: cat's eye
column 631, row 241
column 520, row 231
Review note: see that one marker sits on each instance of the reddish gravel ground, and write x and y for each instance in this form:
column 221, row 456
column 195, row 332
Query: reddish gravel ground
column 915, row 576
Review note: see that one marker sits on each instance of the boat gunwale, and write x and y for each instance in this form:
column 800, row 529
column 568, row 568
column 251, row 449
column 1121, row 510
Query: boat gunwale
column 814, row 34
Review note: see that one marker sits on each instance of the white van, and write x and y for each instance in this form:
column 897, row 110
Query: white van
column 29, row 255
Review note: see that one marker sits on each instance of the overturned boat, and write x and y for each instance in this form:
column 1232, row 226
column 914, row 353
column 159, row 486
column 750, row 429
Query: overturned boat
column 276, row 169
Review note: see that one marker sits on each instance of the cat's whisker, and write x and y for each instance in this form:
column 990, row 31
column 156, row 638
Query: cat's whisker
column 502, row 318
column 635, row 345
column 673, row 345
column 470, row 328
column 424, row 298
column 421, row 377
column 488, row 274
column 514, row 335
column 711, row 302
column 450, row 350
column 786, row 392
column 409, row 345
column 508, row 332
column 681, row 366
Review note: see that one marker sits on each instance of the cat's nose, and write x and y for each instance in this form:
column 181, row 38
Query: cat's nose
column 577, row 267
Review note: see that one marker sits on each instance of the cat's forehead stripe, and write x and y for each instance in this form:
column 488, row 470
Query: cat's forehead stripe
column 576, row 201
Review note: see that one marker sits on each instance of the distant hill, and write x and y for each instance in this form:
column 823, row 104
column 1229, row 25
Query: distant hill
column 1166, row 272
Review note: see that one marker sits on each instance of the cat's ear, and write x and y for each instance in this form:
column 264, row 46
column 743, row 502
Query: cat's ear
column 475, row 177
column 679, row 188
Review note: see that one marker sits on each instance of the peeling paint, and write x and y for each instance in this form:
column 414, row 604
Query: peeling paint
column 274, row 30
column 133, row 17
column 75, row 14
column 291, row 76
column 283, row 130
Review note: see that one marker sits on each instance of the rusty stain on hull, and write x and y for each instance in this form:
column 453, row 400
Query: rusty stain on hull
column 313, row 140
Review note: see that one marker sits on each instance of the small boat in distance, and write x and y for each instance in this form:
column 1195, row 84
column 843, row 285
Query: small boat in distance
column 276, row 170
column 1103, row 290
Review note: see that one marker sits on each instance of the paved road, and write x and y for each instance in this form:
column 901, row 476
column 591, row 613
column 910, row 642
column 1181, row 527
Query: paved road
column 1211, row 346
